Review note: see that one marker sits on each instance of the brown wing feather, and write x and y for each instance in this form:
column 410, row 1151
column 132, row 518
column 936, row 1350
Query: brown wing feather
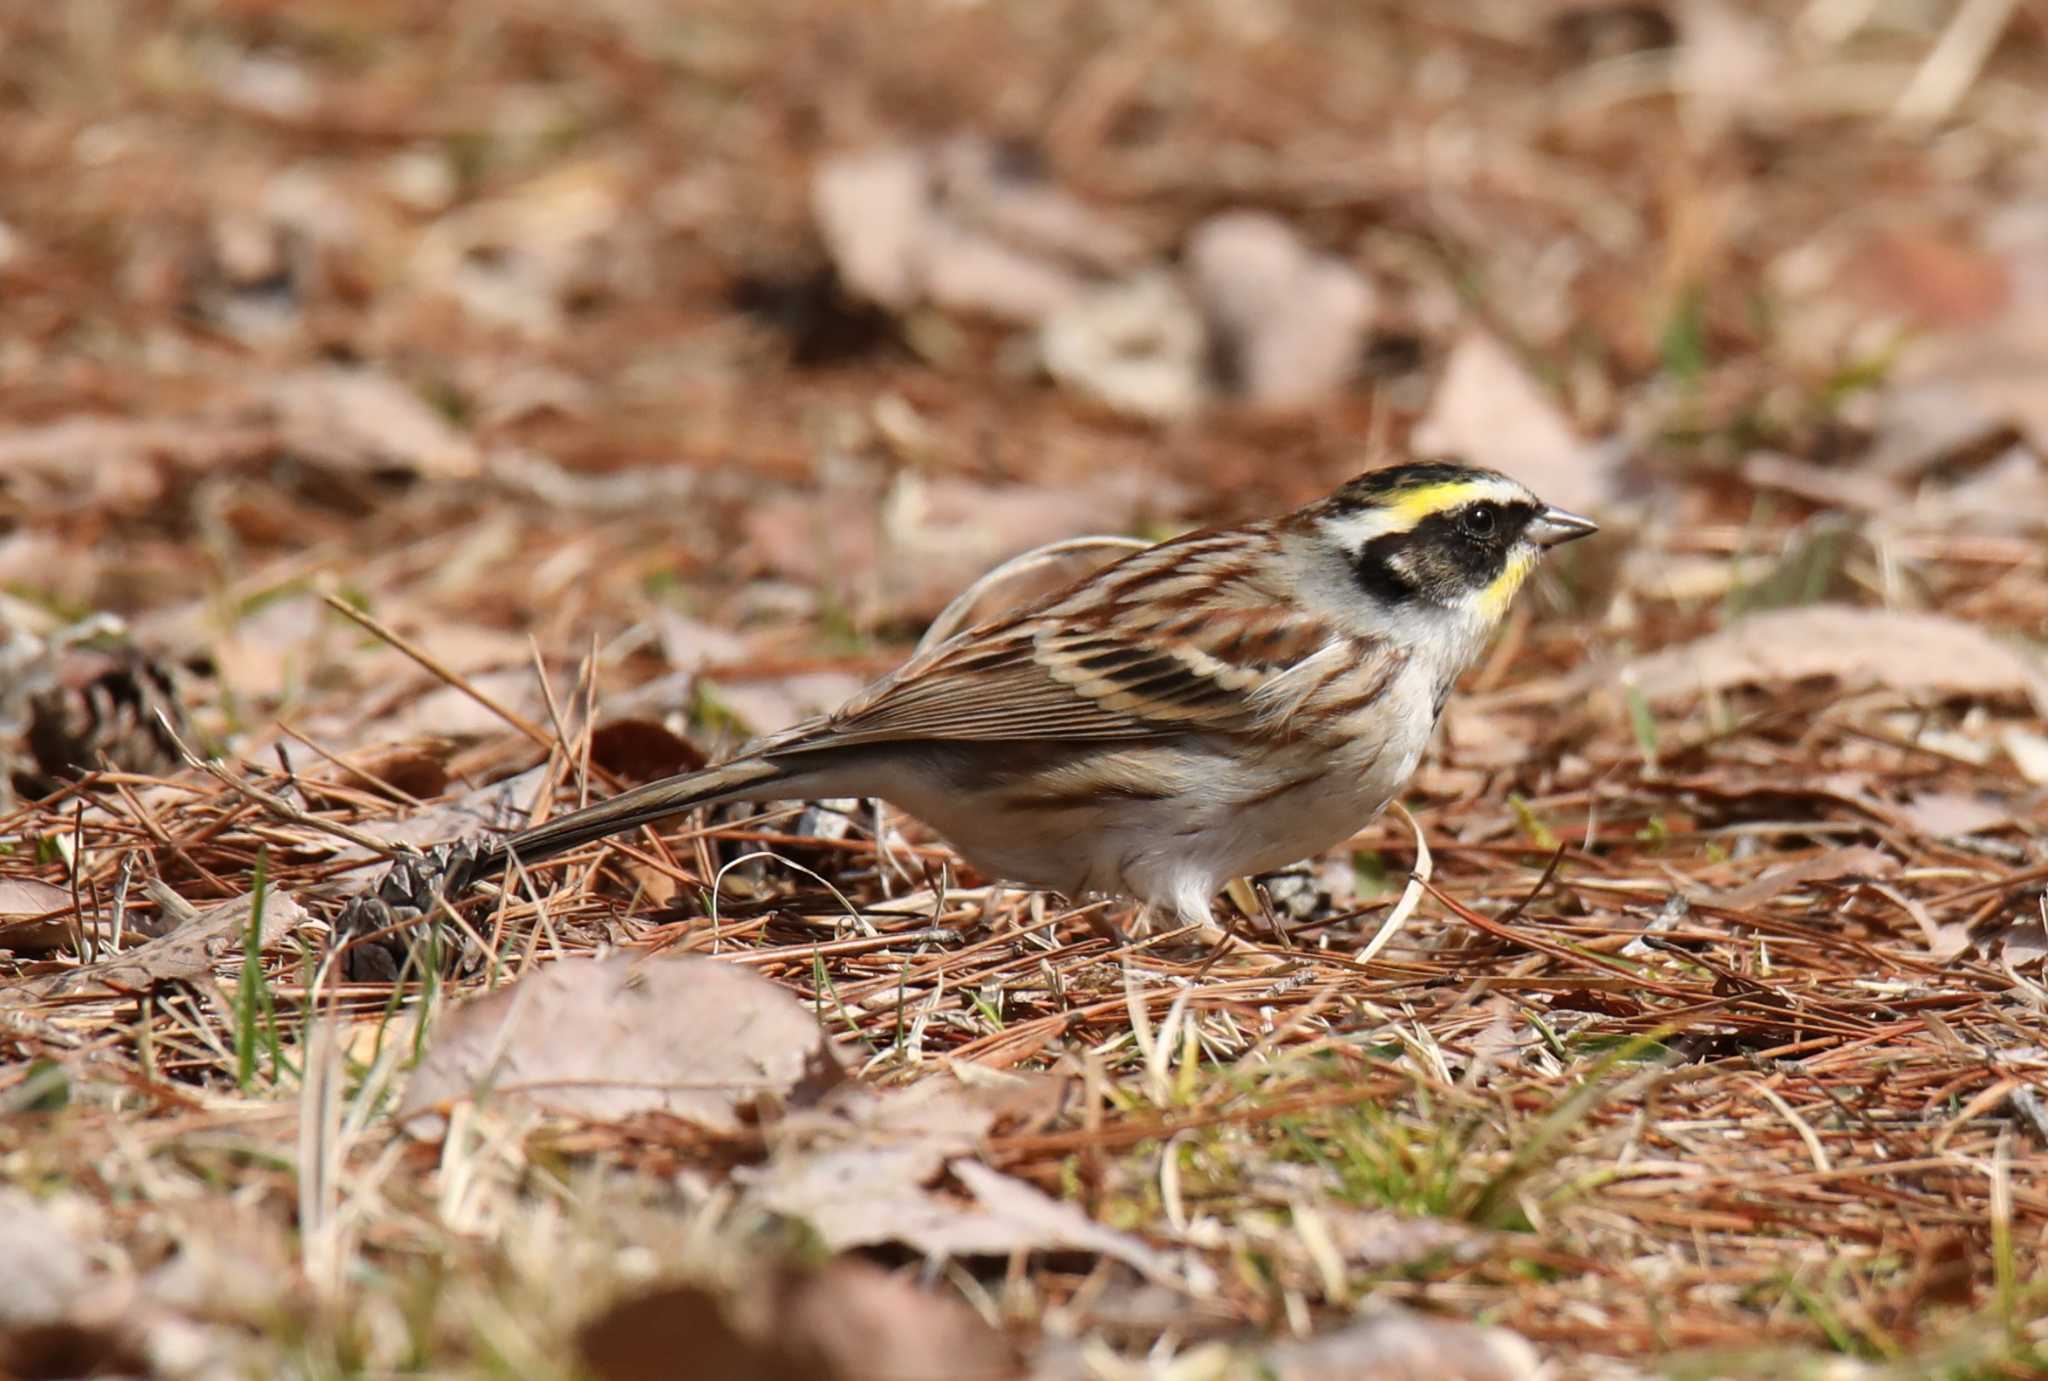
column 1136, row 651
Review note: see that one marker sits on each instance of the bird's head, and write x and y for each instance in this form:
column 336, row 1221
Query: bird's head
column 1424, row 543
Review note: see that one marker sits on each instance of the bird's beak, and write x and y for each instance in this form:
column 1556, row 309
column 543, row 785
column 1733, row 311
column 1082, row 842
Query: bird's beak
column 1554, row 526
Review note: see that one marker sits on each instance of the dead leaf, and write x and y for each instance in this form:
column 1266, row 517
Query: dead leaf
column 44, row 1271
column 1726, row 66
column 2009, row 493
column 1855, row 861
column 641, row 750
column 1979, row 366
column 867, row 1167
column 610, row 1038
column 361, row 418
column 1288, row 321
column 1136, row 346
column 1397, row 1345
column 643, row 1339
column 1015, row 1216
column 1863, row 648
column 522, row 259
column 417, row 768
column 1951, row 814
column 940, row 534
column 963, row 225
column 501, row 805
column 860, row 1321
column 2029, row 753
column 858, row 1168
column 773, row 704
column 1488, row 411
column 189, row 952
column 851, row 1321
column 35, row 917
column 2016, row 933
column 1832, row 486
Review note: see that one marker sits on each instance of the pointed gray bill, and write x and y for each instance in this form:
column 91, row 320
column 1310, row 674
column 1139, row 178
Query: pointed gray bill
column 1555, row 526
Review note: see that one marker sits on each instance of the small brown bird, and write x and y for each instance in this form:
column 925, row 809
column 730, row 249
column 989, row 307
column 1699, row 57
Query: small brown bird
column 1215, row 706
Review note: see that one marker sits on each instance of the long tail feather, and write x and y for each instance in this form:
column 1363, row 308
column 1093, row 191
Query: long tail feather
column 641, row 806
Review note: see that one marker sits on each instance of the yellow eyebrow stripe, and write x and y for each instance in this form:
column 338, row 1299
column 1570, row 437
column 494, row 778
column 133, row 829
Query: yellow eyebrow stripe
column 1418, row 504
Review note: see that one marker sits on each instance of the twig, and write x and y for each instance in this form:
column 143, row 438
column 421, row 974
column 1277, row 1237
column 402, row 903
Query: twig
column 278, row 806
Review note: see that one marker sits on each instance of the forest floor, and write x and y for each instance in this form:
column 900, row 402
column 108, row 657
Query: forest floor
column 417, row 419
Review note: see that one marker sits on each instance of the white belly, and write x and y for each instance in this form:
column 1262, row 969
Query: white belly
column 1221, row 821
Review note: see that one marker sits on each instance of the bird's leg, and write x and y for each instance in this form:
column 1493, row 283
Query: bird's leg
column 1199, row 914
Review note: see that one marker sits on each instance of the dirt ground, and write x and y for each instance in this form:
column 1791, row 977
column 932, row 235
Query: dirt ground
column 418, row 419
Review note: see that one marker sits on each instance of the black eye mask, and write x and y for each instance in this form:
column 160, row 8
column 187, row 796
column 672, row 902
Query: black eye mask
column 1446, row 556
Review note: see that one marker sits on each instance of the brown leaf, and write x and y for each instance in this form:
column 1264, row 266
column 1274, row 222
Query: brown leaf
column 641, row 750
column 643, row 1339
column 1289, row 321
column 1488, row 411
column 609, row 1038
column 1860, row 648
column 1855, row 861
column 44, row 1271
column 363, row 419
column 416, row 767
column 1398, row 1345
column 189, row 952
column 867, row 1169
column 959, row 225
column 939, row 534
column 1136, row 346
column 34, row 916
column 850, row 1321
column 1950, row 814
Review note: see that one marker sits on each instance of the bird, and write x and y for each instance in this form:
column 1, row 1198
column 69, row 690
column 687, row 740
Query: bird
column 1216, row 706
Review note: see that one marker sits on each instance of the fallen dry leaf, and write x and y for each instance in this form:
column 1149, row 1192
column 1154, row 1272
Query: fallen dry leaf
column 1855, row 861
column 1951, row 814
column 643, row 1339
column 772, row 704
column 34, row 916
column 641, row 750
column 1136, row 346
column 2029, row 753
column 610, row 1038
column 940, row 534
column 1862, row 648
column 1288, row 321
column 1488, row 411
column 523, row 259
column 44, row 1271
column 851, row 1321
column 416, row 768
column 867, row 1170
column 962, row 226
column 189, row 952
column 360, row 418
column 1397, row 1345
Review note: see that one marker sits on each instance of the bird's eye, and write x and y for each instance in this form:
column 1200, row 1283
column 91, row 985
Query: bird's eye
column 1481, row 521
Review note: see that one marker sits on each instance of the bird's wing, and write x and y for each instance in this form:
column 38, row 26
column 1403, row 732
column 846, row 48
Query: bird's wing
column 1118, row 657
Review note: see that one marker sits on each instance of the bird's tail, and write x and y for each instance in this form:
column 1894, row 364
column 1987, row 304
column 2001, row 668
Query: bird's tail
column 643, row 805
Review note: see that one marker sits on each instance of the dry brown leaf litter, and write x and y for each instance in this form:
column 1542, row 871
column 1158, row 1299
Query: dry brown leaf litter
column 509, row 325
